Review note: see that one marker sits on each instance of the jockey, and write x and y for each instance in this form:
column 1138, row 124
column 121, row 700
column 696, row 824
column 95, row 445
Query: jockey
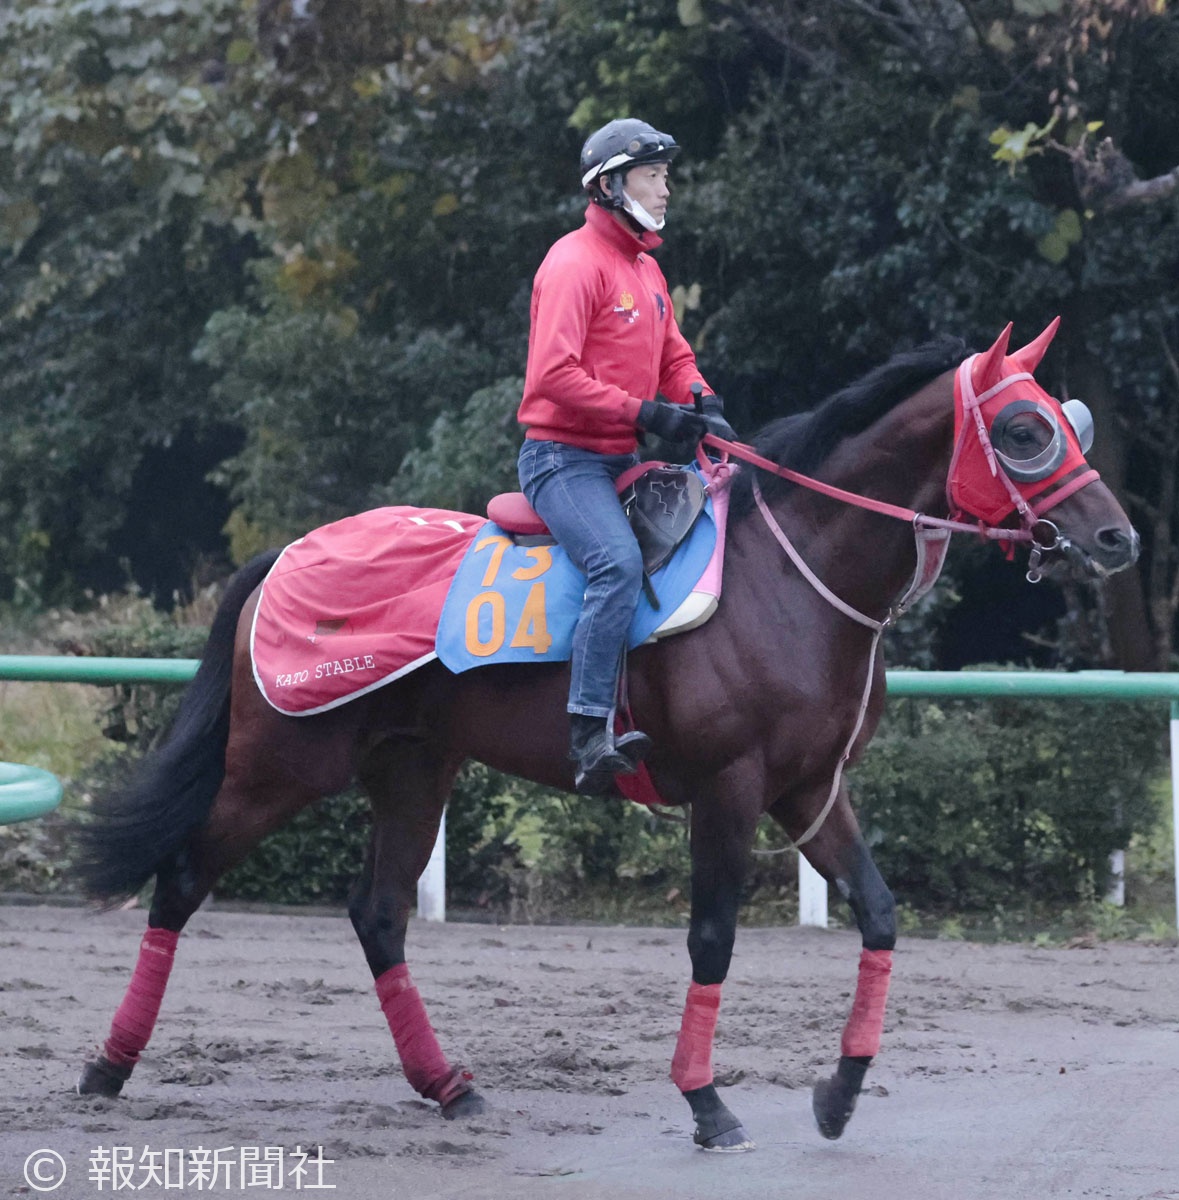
column 603, row 344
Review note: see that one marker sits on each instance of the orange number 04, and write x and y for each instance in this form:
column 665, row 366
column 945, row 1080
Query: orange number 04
column 532, row 628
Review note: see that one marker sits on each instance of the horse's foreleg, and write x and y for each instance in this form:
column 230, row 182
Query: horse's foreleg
column 720, row 853
column 408, row 788
column 840, row 854
column 235, row 826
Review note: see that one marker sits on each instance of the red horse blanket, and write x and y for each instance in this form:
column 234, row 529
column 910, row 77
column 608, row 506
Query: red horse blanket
column 363, row 601
column 323, row 635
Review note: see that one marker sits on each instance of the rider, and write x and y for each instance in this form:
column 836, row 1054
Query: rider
column 603, row 344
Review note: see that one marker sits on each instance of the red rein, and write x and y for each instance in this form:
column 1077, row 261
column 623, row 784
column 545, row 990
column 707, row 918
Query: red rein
column 748, row 454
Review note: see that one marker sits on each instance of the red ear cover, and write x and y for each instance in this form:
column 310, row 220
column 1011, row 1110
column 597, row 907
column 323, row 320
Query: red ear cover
column 988, row 367
column 1028, row 359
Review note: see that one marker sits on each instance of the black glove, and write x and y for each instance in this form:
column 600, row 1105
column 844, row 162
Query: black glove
column 672, row 422
column 714, row 414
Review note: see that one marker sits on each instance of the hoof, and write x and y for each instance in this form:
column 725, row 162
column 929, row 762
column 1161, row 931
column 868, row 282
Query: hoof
column 732, row 1141
column 463, row 1106
column 717, row 1129
column 833, row 1104
column 102, row 1078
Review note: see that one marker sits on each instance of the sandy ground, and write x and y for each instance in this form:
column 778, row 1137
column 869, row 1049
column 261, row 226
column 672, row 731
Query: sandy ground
column 1007, row 1071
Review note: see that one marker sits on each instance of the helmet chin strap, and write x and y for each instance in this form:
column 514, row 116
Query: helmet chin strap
column 635, row 210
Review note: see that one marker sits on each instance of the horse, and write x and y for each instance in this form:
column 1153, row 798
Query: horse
column 754, row 713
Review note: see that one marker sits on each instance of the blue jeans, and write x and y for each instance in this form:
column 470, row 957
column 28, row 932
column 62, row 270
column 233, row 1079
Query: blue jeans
column 573, row 492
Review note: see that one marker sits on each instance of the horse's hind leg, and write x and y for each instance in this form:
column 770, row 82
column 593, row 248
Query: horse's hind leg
column 239, row 820
column 408, row 785
column 840, row 854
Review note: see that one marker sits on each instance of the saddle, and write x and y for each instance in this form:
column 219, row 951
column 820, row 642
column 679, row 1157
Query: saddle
column 661, row 502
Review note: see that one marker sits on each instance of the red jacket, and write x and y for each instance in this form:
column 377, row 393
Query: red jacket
column 603, row 339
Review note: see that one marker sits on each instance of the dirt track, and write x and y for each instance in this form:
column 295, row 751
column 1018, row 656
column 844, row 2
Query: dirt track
column 1007, row 1071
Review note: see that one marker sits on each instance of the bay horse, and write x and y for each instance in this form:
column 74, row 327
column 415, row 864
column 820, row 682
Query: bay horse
column 755, row 712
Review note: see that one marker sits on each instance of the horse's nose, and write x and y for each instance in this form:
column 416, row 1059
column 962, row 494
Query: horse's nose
column 1117, row 546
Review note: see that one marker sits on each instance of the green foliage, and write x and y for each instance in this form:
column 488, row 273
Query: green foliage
column 137, row 714
column 469, row 457
column 313, row 859
column 106, row 270
column 330, row 410
column 314, row 232
column 972, row 805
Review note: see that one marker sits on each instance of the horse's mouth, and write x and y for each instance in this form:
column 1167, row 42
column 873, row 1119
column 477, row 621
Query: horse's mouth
column 1073, row 560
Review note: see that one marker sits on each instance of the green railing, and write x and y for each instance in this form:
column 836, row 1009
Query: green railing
column 1079, row 685
column 1084, row 685
column 57, row 668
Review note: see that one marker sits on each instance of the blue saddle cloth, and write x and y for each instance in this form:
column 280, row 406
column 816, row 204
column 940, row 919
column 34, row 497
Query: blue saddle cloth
column 519, row 604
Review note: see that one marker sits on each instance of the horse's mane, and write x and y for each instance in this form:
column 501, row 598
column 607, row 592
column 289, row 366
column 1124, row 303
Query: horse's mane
column 803, row 441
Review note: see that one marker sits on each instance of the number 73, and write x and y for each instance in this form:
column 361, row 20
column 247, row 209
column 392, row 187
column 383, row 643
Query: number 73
column 532, row 628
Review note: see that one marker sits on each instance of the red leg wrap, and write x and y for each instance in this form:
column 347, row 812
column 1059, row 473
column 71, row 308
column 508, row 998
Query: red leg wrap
column 136, row 1016
column 861, row 1034
column 691, row 1065
column 422, row 1060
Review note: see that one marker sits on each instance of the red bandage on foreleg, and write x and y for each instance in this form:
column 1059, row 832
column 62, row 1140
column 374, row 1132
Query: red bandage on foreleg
column 422, row 1060
column 861, row 1034
column 136, row 1016
column 691, row 1065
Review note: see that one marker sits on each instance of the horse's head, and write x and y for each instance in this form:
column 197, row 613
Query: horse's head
column 1019, row 450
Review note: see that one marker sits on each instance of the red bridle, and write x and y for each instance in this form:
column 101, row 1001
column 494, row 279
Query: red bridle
column 970, row 420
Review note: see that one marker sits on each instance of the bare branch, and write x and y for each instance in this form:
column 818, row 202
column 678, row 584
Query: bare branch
column 1106, row 178
column 1142, row 191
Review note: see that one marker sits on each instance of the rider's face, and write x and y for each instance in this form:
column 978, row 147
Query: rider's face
column 648, row 185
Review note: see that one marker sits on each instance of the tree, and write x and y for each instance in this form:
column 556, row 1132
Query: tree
column 109, row 271
column 919, row 166
column 293, row 242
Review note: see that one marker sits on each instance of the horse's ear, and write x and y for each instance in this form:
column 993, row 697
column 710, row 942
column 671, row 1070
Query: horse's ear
column 988, row 366
column 1028, row 359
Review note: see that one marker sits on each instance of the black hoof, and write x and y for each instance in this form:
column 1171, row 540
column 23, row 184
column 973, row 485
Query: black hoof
column 732, row 1141
column 102, row 1078
column 717, row 1129
column 466, row 1105
column 833, row 1102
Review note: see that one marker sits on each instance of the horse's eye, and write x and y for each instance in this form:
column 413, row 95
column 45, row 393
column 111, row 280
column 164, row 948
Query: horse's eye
column 1027, row 440
column 1024, row 436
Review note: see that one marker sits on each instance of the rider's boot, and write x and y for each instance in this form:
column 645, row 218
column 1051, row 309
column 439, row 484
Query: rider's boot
column 599, row 756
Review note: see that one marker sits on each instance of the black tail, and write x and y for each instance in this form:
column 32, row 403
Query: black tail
column 137, row 827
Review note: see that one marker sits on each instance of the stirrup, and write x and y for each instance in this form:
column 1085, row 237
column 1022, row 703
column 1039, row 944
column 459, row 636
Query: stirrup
column 599, row 757
column 635, row 746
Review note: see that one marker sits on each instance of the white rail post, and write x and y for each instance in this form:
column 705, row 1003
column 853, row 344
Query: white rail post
column 1175, row 796
column 432, row 884
column 812, row 895
column 1115, row 892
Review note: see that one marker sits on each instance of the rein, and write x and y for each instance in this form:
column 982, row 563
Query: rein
column 748, row 454
column 1031, row 514
column 932, row 535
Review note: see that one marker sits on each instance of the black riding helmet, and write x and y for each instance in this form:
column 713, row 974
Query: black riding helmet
column 617, row 147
